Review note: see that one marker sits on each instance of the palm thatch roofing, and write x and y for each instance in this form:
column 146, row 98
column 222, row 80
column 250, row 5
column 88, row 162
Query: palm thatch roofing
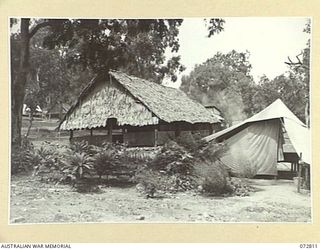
column 162, row 102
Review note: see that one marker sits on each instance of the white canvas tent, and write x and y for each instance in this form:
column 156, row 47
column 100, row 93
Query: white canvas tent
column 256, row 144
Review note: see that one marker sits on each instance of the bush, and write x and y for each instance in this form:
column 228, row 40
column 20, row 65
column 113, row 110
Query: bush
column 173, row 159
column 211, row 151
column 78, row 164
column 162, row 181
column 23, row 160
column 73, row 164
column 180, row 168
column 190, row 141
column 51, row 162
column 105, row 162
column 26, row 158
column 211, row 178
column 113, row 158
column 80, row 146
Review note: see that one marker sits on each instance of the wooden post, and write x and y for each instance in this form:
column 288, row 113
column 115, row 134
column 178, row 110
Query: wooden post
column 71, row 135
column 123, row 135
column 155, row 136
column 211, row 129
column 109, row 125
column 110, row 132
column 177, row 129
column 177, row 133
column 307, row 177
column 299, row 173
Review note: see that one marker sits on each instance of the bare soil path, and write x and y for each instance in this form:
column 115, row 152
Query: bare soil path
column 33, row 201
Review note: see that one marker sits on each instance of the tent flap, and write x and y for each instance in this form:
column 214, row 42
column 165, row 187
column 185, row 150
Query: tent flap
column 254, row 150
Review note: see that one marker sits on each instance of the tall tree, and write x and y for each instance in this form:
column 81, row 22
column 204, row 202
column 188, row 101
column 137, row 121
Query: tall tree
column 20, row 51
column 224, row 81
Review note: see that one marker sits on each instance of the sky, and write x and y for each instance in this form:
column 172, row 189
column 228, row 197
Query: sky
column 269, row 40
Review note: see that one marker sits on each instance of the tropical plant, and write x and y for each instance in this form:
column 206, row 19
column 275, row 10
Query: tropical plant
column 49, row 160
column 105, row 162
column 80, row 146
column 173, row 159
column 78, row 164
column 23, row 160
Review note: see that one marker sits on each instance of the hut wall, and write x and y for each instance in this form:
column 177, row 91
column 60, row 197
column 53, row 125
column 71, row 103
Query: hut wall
column 144, row 136
column 164, row 136
column 92, row 140
column 140, row 138
column 167, row 131
column 108, row 100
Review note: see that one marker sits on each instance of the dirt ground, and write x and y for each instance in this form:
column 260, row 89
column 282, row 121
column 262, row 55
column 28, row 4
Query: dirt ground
column 33, row 201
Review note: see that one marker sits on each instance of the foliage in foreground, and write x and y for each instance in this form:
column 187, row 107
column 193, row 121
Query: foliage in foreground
column 182, row 165
column 77, row 164
column 187, row 164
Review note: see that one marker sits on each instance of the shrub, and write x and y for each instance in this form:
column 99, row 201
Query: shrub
column 80, row 146
column 78, row 164
column 162, row 181
column 112, row 158
column 211, row 178
column 190, row 141
column 170, row 170
column 192, row 163
column 70, row 165
column 23, row 160
column 51, row 162
column 173, row 159
column 211, row 151
column 26, row 158
column 105, row 162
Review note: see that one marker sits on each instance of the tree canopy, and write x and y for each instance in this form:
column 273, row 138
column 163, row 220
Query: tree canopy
column 223, row 81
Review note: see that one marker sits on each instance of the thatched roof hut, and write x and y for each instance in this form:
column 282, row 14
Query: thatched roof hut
column 134, row 102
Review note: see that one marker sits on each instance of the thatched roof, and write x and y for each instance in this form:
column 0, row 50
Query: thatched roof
column 165, row 103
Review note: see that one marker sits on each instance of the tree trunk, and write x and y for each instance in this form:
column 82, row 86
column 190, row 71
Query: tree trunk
column 30, row 124
column 19, row 83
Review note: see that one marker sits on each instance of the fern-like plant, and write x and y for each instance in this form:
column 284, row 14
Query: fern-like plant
column 79, row 164
column 105, row 162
